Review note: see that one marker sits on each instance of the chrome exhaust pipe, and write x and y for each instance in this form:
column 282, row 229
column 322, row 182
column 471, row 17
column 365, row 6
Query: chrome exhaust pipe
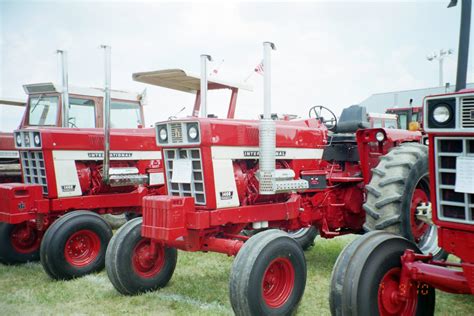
column 267, row 129
column 204, row 60
column 62, row 56
column 107, row 80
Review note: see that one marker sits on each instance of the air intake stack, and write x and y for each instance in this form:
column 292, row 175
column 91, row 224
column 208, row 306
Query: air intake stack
column 62, row 54
column 272, row 180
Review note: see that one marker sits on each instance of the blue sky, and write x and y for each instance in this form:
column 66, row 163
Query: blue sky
column 331, row 53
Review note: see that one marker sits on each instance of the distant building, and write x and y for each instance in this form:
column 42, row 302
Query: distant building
column 379, row 102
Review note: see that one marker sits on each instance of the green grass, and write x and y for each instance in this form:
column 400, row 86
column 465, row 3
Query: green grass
column 198, row 287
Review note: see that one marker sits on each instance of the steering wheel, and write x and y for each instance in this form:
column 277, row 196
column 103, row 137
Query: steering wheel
column 325, row 115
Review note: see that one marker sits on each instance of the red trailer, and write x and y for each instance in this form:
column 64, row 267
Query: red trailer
column 384, row 274
column 224, row 176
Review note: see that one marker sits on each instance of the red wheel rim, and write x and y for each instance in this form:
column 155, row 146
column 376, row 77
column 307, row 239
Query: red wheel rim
column 388, row 299
column 24, row 239
column 82, row 248
column 278, row 282
column 418, row 228
column 145, row 262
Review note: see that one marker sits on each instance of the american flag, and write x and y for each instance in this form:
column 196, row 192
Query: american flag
column 259, row 68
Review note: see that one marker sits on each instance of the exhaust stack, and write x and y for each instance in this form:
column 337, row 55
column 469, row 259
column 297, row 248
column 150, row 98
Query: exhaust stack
column 272, row 180
column 267, row 127
column 463, row 51
column 107, row 79
column 62, row 54
column 204, row 60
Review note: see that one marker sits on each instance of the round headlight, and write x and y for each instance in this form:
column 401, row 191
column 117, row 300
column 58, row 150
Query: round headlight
column 37, row 139
column 380, row 136
column 163, row 134
column 18, row 139
column 441, row 114
column 193, row 133
column 427, row 141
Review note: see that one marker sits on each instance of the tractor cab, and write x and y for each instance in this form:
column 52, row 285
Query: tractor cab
column 407, row 115
column 178, row 79
column 86, row 107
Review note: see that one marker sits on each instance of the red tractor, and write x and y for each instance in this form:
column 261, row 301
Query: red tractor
column 384, row 274
column 10, row 170
column 54, row 214
column 225, row 176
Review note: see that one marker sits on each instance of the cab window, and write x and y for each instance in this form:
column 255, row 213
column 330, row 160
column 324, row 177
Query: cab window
column 390, row 124
column 81, row 113
column 125, row 115
column 43, row 110
column 377, row 123
column 414, row 117
column 402, row 119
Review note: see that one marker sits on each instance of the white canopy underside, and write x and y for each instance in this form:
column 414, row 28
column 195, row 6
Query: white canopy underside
column 178, row 79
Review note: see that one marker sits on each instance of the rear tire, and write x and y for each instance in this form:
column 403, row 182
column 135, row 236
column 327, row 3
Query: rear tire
column 19, row 243
column 304, row 237
column 129, row 265
column 366, row 285
column 399, row 183
column 268, row 275
column 75, row 245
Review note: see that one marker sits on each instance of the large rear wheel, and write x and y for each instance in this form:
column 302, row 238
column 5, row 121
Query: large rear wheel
column 19, row 243
column 366, row 279
column 268, row 275
column 75, row 245
column 400, row 183
column 134, row 264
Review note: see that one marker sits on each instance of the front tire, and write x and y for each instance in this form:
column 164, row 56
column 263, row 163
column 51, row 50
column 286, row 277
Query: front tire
column 75, row 245
column 19, row 243
column 131, row 266
column 370, row 280
column 268, row 275
column 399, row 184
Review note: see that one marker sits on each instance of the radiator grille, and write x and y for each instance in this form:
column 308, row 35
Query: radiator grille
column 196, row 187
column 34, row 171
column 467, row 113
column 452, row 206
column 176, row 133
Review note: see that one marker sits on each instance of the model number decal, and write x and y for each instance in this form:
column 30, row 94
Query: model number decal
column 68, row 188
column 226, row 195
column 256, row 153
column 112, row 155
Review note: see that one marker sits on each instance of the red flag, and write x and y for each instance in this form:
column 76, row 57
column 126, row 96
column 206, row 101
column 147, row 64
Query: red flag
column 259, row 68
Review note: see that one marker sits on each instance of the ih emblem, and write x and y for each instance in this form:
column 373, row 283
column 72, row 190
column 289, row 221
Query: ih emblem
column 21, row 205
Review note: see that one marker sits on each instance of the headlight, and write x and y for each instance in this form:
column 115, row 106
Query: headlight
column 163, row 134
column 441, row 114
column 427, row 141
column 380, row 136
column 18, row 140
column 193, row 133
column 37, row 139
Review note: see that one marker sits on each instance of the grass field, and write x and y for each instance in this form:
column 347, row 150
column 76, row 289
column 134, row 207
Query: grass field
column 198, row 287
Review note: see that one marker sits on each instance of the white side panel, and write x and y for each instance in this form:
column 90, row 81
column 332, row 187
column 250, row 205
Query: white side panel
column 67, row 181
column 9, row 154
column 98, row 155
column 230, row 152
column 226, row 189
